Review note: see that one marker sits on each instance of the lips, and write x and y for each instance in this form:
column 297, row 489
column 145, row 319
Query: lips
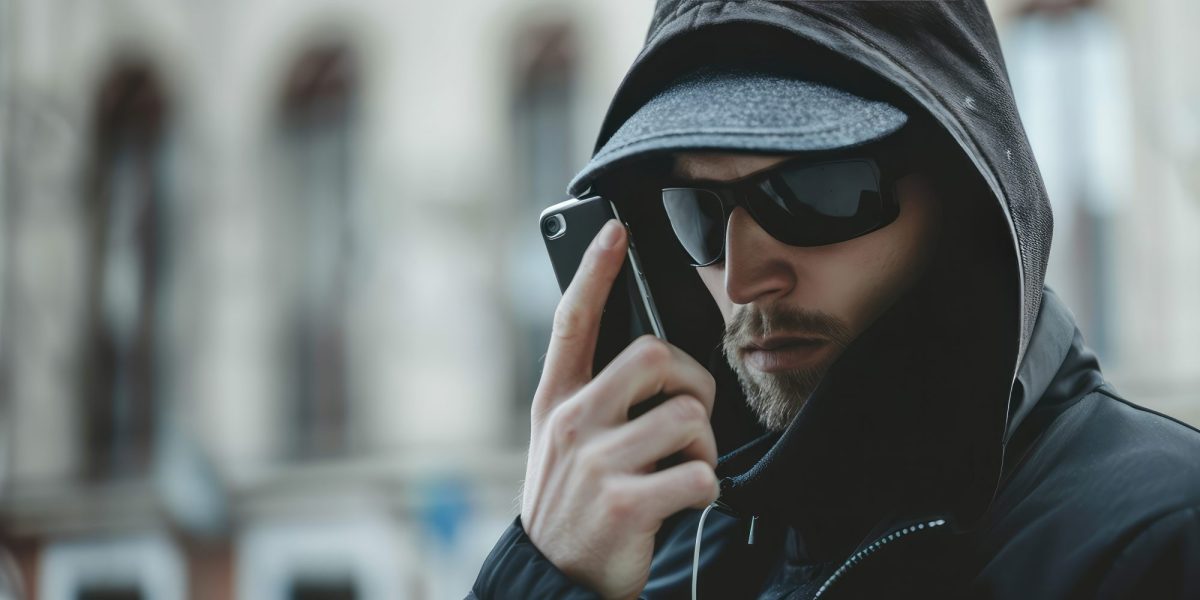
column 778, row 342
column 782, row 353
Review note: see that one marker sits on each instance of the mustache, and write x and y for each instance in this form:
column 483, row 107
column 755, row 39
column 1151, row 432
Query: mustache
column 755, row 323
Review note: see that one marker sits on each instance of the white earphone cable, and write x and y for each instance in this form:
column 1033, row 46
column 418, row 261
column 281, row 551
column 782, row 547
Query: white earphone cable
column 696, row 555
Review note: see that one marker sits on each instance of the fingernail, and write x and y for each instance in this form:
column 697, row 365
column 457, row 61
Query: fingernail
column 610, row 234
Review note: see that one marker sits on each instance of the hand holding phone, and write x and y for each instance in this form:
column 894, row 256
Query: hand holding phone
column 593, row 500
column 629, row 312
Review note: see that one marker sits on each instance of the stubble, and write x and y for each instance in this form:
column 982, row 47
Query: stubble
column 776, row 398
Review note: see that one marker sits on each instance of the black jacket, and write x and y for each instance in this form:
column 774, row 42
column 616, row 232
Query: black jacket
column 966, row 444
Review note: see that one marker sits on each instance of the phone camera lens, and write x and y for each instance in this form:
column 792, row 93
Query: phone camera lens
column 554, row 226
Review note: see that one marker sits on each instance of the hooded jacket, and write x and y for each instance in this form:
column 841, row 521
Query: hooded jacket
column 966, row 444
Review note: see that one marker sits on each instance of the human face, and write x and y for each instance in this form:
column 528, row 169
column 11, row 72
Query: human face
column 790, row 311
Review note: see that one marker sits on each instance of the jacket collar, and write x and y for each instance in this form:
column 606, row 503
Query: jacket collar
column 1058, row 370
column 780, row 476
column 880, row 437
column 1053, row 334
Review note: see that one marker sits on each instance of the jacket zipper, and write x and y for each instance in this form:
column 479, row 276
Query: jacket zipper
column 874, row 546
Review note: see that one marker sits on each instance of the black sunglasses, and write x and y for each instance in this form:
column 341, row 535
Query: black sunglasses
column 810, row 200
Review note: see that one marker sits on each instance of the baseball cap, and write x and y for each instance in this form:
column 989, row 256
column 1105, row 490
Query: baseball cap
column 740, row 108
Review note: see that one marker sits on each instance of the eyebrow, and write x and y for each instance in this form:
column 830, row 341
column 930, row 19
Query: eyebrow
column 678, row 172
column 679, row 177
column 682, row 176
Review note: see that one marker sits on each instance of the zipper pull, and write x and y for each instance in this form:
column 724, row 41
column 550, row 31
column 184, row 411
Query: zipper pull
column 750, row 538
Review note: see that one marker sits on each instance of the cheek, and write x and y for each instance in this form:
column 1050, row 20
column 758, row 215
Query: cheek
column 860, row 278
column 714, row 279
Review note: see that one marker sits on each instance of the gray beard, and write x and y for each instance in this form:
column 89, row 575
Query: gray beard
column 776, row 398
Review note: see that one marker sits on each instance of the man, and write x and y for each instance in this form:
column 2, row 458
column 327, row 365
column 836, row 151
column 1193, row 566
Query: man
column 846, row 235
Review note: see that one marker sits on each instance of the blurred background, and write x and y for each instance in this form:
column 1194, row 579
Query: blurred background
column 273, row 301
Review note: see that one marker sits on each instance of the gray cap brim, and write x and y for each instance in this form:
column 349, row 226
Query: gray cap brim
column 743, row 110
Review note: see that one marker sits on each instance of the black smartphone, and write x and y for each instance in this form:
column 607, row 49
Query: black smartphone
column 629, row 312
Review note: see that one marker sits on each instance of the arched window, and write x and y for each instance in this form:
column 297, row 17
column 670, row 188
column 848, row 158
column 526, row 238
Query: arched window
column 542, row 115
column 317, row 119
column 125, row 193
column 546, row 68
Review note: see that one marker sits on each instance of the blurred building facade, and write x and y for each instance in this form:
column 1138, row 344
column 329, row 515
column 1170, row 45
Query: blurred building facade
column 273, row 296
column 272, row 301
column 1111, row 104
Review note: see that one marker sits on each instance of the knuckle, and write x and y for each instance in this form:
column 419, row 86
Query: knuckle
column 565, row 423
column 541, row 406
column 590, row 461
column 652, row 351
column 703, row 480
column 620, row 504
column 568, row 321
column 710, row 441
column 710, row 386
column 688, row 409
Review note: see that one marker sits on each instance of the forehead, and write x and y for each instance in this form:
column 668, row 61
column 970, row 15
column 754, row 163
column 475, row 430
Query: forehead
column 721, row 166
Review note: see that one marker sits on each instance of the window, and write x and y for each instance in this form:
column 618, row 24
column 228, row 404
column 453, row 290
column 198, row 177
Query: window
column 113, row 567
column 313, row 558
column 124, row 210
column 316, row 138
column 542, row 118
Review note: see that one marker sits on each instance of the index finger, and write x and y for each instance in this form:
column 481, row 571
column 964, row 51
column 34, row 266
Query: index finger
column 577, row 318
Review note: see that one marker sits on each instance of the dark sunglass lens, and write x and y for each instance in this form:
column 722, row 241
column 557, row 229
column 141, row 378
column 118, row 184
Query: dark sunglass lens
column 698, row 221
column 824, row 203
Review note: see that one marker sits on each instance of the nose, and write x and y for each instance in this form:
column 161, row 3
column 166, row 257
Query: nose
column 756, row 265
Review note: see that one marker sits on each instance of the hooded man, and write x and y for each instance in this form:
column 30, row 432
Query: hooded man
column 846, row 234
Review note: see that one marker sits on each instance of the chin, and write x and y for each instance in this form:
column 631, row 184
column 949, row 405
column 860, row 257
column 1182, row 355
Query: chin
column 776, row 398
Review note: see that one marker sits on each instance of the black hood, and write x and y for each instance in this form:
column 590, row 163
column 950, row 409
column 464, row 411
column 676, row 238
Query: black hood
column 913, row 417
